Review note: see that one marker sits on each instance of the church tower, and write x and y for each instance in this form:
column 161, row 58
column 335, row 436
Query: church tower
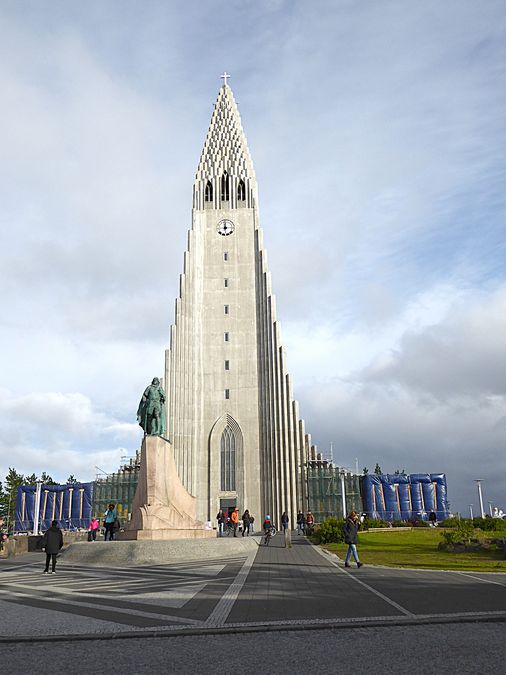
column 233, row 424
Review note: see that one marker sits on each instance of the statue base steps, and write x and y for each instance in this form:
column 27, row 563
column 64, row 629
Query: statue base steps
column 157, row 552
column 165, row 534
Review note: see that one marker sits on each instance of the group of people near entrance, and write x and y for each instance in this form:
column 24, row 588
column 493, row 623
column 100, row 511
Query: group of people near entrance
column 228, row 521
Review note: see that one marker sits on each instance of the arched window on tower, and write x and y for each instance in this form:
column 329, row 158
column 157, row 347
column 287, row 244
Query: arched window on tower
column 225, row 187
column 208, row 196
column 227, row 460
column 241, row 191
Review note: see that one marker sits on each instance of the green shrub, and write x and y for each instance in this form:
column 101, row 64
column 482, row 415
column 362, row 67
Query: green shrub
column 462, row 533
column 421, row 523
column 378, row 523
column 490, row 524
column 330, row 531
column 400, row 523
column 449, row 522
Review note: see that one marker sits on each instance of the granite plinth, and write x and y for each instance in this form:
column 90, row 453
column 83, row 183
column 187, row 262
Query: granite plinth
column 162, row 507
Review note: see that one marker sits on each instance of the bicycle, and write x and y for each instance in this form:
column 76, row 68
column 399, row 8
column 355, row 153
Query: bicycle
column 269, row 533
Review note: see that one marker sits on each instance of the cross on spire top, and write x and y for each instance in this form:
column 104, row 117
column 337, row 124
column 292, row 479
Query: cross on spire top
column 225, row 77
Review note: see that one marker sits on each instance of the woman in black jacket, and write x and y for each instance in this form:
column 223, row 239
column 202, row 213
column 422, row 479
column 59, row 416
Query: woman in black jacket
column 52, row 542
column 350, row 530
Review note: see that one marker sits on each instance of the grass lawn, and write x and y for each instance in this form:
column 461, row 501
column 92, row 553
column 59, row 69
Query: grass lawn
column 418, row 548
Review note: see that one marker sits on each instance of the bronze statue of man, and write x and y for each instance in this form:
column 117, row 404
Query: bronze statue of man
column 151, row 411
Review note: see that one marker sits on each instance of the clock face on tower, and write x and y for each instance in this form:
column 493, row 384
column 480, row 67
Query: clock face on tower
column 225, row 227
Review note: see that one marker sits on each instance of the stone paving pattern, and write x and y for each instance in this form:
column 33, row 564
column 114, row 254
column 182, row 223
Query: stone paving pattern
column 273, row 585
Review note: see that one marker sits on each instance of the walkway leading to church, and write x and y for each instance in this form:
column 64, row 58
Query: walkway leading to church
column 278, row 588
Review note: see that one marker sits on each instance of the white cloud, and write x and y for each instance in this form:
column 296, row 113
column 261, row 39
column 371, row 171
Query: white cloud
column 379, row 139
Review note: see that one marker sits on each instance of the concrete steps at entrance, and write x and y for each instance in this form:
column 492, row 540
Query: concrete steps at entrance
column 119, row 553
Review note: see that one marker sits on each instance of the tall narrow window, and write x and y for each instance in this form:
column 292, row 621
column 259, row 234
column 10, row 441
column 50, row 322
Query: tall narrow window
column 225, row 187
column 208, row 196
column 225, row 335
column 225, row 309
column 227, row 393
column 225, row 283
column 227, row 457
column 227, row 365
column 241, row 191
column 225, row 256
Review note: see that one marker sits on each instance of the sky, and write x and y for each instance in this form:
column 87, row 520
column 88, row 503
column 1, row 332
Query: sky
column 378, row 135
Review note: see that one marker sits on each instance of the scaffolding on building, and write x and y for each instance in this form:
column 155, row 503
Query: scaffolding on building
column 117, row 488
column 325, row 483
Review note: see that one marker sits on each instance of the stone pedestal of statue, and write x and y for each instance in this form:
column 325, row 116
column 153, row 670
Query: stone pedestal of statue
column 162, row 508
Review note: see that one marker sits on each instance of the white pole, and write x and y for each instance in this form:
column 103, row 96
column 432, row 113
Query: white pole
column 478, row 483
column 490, row 508
column 343, row 493
column 471, row 511
column 36, row 513
column 356, row 466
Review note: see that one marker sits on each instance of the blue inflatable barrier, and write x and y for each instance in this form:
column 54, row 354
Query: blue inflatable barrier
column 405, row 497
column 70, row 505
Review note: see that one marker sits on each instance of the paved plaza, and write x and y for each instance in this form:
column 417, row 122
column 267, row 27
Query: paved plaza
column 273, row 594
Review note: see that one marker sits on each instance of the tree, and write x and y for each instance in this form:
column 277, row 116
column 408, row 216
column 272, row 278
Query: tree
column 377, row 469
column 3, row 502
column 72, row 480
column 31, row 480
column 399, row 472
column 47, row 480
column 365, row 471
column 13, row 480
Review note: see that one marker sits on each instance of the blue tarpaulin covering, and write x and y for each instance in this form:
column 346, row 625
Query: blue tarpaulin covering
column 405, row 497
column 70, row 505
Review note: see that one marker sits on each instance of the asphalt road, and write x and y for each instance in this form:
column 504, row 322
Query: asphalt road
column 449, row 648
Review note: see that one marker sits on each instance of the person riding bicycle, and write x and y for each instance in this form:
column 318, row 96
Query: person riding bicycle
column 267, row 524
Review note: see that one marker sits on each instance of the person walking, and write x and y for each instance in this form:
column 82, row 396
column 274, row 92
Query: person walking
column 432, row 518
column 309, row 523
column 52, row 541
column 350, row 531
column 284, row 520
column 300, row 522
column 245, row 523
column 110, row 517
column 235, row 520
column 220, row 517
column 251, row 526
column 94, row 525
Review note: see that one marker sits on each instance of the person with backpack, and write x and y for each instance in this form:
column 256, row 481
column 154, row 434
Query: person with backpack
column 52, row 541
column 245, row 523
column 350, row 531
column 110, row 518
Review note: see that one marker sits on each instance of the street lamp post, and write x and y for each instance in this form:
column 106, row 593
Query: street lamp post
column 471, row 511
column 36, row 508
column 478, row 482
column 343, row 492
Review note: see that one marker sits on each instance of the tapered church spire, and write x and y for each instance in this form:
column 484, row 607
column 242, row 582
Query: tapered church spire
column 235, row 428
column 225, row 174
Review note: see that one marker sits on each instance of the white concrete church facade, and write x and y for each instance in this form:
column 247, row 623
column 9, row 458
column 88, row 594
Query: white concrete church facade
column 234, row 427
